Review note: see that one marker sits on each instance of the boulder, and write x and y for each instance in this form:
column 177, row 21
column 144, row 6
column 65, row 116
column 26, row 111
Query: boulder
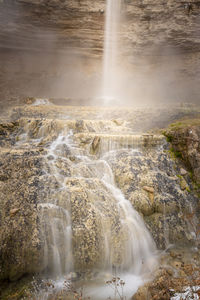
column 150, row 180
column 185, row 140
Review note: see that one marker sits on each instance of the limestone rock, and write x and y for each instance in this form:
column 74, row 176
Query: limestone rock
column 149, row 189
column 87, row 223
column 20, row 234
column 150, row 181
column 186, row 140
column 119, row 122
column 148, row 177
column 172, row 276
column 142, row 293
column 183, row 184
column 95, row 144
column 152, row 23
column 14, row 211
column 183, row 172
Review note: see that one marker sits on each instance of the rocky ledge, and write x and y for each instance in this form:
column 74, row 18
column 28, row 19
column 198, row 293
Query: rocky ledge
column 185, row 139
column 156, row 182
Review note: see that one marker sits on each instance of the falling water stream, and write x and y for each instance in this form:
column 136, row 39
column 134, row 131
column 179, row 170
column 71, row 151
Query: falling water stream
column 111, row 49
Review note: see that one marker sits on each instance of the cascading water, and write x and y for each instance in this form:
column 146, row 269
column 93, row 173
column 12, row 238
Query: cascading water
column 56, row 220
column 126, row 246
column 111, row 49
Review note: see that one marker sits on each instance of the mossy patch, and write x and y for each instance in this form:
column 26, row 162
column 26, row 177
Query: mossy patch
column 184, row 123
column 168, row 136
column 175, row 154
column 21, row 289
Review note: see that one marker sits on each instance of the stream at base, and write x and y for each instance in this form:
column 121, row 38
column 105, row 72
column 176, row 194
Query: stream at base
column 101, row 288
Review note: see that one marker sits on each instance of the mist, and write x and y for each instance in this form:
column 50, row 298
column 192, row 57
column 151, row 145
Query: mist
column 40, row 62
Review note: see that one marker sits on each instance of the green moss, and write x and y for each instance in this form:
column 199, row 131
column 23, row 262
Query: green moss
column 168, row 136
column 184, row 123
column 188, row 190
column 174, row 153
column 17, row 290
column 177, row 154
column 176, row 125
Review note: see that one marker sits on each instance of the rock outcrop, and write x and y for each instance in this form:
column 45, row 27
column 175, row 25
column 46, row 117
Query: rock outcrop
column 20, row 186
column 178, row 275
column 185, row 139
column 152, row 183
column 36, row 181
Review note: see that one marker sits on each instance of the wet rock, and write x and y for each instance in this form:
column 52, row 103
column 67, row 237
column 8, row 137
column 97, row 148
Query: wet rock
column 185, row 139
column 119, row 122
column 142, row 293
column 183, row 172
column 183, row 184
column 95, row 144
column 182, row 271
column 14, row 211
column 151, row 182
column 148, row 189
column 29, row 100
column 20, row 234
column 90, row 201
column 142, row 202
column 147, row 176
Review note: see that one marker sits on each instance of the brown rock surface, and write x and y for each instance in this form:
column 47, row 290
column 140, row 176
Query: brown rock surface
column 185, row 139
column 20, row 245
column 29, row 179
column 79, row 25
column 54, row 48
column 173, row 278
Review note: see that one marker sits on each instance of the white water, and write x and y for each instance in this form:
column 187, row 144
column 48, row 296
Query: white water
column 136, row 246
column 56, row 221
column 98, row 290
column 40, row 101
column 111, row 50
column 139, row 247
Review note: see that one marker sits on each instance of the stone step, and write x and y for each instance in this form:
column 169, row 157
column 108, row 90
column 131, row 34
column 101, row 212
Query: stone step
column 102, row 143
column 38, row 128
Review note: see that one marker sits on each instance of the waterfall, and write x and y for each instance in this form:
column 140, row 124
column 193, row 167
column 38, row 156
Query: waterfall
column 89, row 227
column 111, row 49
column 125, row 245
column 56, row 219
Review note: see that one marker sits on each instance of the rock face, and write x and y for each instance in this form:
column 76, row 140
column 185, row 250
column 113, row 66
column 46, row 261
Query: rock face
column 20, row 186
column 79, row 25
column 54, row 49
column 174, row 277
column 185, row 141
column 152, row 183
column 48, row 170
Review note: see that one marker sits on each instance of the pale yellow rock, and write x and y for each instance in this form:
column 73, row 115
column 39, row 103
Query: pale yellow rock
column 148, row 189
column 142, row 293
column 14, row 211
column 95, row 144
column 183, row 184
column 119, row 122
